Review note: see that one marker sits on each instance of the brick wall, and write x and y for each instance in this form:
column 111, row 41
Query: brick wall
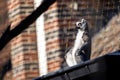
column 23, row 47
column 52, row 41
column 60, row 27
column 103, row 20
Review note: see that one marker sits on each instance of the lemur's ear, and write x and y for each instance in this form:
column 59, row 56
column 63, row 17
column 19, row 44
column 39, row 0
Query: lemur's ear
column 83, row 21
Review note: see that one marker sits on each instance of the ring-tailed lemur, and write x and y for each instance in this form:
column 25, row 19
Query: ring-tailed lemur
column 80, row 46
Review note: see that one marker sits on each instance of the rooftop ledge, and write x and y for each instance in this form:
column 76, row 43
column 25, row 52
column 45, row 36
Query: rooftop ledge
column 106, row 67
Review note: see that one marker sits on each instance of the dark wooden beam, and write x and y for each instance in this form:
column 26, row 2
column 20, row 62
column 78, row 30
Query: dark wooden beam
column 5, row 68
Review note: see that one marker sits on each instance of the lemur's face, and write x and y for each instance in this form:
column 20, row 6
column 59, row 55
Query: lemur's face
column 82, row 25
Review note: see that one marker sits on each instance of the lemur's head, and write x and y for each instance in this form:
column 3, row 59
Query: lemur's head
column 82, row 25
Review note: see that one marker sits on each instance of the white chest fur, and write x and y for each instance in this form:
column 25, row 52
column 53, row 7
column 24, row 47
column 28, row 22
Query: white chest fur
column 70, row 56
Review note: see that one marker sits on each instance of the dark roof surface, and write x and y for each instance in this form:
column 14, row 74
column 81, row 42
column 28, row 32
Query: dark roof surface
column 102, row 68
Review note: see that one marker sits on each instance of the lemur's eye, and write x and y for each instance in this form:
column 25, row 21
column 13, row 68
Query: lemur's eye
column 80, row 24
